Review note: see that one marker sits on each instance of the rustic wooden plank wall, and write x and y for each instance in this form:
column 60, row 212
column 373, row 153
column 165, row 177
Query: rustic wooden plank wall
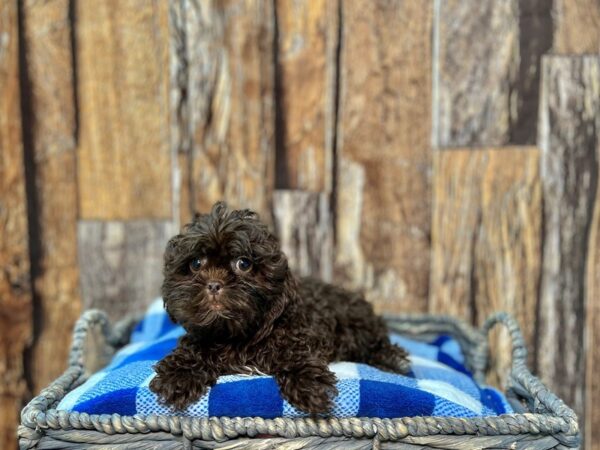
column 487, row 237
column 383, row 155
column 569, row 138
column 393, row 145
column 15, row 289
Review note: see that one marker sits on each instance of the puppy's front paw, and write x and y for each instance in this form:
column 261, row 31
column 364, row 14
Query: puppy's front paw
column 310, row 387
column 176, row 388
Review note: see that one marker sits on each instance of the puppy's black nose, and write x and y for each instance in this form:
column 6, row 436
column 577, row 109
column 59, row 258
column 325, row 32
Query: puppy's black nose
column 214, row 287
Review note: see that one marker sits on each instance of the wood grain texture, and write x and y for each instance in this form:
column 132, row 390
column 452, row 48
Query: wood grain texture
column 577, row 26
column 53, row 216
column 308, row 38
column 592, row 336
column 225, row 65
column 121, row 264
column 304, row 226
column 124, row 153
column 568, row 138
column 383, row 188
column 15, row 289
column 476, row 45
column 486, row 242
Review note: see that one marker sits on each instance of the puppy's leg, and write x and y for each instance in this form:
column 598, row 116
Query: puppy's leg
column 307, row 384
column 390, row 358
column 181, row 379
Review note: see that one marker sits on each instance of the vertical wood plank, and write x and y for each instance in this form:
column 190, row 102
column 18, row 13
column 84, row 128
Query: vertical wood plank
column 486, row 243
column 476, row 45
column 486, row 70
column 308, row 38
column 577, row 26
column 121, row 264
column 226, row 70
column 303, row 224
column 51, row 126
column 383, row 149
column 124, row 152
column 592, row 336
column 15, row 289
column 568, row 139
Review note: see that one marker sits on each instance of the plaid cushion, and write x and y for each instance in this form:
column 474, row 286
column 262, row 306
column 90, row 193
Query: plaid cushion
column 439, row 384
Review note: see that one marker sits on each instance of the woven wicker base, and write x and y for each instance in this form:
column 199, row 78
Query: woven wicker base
column 543, row 421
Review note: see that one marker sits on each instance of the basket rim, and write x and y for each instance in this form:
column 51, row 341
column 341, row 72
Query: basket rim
column 548, row 415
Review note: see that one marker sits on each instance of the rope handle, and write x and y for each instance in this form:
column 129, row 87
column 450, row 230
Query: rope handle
column 519, row 348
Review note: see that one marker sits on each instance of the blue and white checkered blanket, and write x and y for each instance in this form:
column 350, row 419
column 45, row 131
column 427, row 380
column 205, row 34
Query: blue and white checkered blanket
column 438, row 385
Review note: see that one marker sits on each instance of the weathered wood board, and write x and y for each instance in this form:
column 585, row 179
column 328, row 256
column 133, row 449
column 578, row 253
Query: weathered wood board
column 306, row 70
column 486, row 242
column 225, row 77
column 592, row 336
column 486, row 70
column 15, row 289
column 121, row 264
column 383, row 152
column 51, row 132
column 475, row 62
column 568, row 138
column 124, row 157
column 577, row 26
column 303, row 223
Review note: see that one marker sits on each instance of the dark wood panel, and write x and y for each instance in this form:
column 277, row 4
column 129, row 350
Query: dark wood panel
column 304, row 225
column 51, row 128
column 486, row 243
column 307, row 45
column 383, row 151
column 224, row 94
column 124, row 156
column 15, row 289
column 121, row 264
column 568, row 139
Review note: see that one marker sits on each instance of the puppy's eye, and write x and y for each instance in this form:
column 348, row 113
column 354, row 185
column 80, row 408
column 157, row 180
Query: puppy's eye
column 196, row 264
column 243, row 264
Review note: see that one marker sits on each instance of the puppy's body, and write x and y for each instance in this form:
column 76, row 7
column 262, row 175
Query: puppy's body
column 229, row 285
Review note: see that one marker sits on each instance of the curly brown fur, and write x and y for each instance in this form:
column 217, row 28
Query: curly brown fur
column 260, row 317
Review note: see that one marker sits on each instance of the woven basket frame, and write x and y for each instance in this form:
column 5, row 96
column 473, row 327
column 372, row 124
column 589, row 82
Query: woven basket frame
column 541, row 421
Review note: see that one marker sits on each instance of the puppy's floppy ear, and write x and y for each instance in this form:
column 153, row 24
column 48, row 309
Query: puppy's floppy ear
column 172, row 250
column 280, row 303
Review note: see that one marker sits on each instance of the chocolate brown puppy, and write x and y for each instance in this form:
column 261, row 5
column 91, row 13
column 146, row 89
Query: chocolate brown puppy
column 227, row 282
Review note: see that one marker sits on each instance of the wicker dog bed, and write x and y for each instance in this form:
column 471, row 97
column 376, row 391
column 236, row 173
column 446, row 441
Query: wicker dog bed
column 541, row 421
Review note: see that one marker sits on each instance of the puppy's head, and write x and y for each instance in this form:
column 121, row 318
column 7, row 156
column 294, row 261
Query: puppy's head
column 225, row 275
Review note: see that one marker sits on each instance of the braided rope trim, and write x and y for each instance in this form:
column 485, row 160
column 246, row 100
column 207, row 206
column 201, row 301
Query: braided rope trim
column 549, row 416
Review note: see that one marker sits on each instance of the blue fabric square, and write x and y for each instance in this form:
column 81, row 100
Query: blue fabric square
column 253, row 397
column 388, row 400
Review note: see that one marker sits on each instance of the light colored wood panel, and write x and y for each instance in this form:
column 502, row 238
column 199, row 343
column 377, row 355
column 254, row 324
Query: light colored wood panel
column 577, row 26
column 486, row 243
column 568, row 139
column 475, row 52
column 227, row 72
column 15, row 289
column 308, row 38
column 121, row 264
column 52, row 128
column 384, row 158
column 592, row 336
column 122, row 77
column 304, row 226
